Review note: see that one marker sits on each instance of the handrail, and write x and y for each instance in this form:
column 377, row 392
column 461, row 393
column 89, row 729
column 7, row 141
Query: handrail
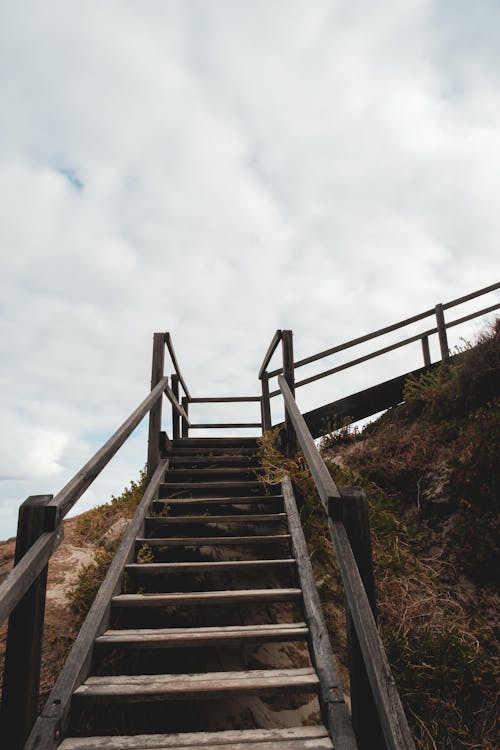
column 170, row 347
column 74, row 489
column 392, row 717
column 270, row 351
column 394, row 327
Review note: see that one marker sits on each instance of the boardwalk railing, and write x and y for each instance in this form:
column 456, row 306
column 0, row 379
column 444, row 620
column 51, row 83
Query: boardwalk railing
column 383, row 691
column 289, row 366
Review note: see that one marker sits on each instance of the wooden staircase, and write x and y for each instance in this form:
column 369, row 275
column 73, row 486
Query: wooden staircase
column 210, row 632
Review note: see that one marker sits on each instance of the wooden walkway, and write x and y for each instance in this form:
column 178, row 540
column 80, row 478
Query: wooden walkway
column 207, row 620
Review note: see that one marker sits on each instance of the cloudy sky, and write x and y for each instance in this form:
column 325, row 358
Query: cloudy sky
column 220, row 169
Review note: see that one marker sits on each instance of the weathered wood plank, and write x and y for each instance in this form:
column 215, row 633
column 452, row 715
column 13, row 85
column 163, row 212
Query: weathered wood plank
column 138, row 688
column 207, row 597
column 195, row 637
column 334, row 710
column 170, row 347
column 319, row 743
column 226, row 425
column 208, row 567
column 253, row 518
column 270, row 351
column 212, row 541
column 23, row 653
column 154, row 428
column 189, row 739
column 225, row 399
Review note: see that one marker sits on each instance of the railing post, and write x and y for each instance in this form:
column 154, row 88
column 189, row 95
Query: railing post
column 425, row 350
column 265, row 404
column 23, row 654
column 289, row 375
column 441, row 326
column 155, row 413
column 185, row 426
column 365, row 719
column 175, row 417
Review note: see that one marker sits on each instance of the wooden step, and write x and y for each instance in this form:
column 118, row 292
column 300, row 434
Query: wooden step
column 245, row 596
column 211, row 541
column 220, row 566
column 207, row 443
column 180, row 687
column 230, row 472
column 230, row 458
column 253, row 518
column 148, row 638
column 158, row 505
column 290, row 738
column 211, row 489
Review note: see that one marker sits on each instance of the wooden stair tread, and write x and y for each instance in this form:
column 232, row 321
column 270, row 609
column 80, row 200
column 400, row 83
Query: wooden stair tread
column 177, row 637
column 235, row 500
column 211, row 541
column 208, row 685
column 207, row 597
column 248, row 738
column 202, row 567
column 256, row 518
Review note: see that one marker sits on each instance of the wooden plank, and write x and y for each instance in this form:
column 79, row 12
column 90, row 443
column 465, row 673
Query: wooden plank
column 266, row 404
column 289, row 377
column 473, row 295
column 25, row 573
column 207, row 597
column 365, row 718
column 208, row 567
column 170, row 347
column 225, row 399
column 78, row 663
column 176, row 405
column 324, row 483
column 215, row 485
column 441, row 328
column 23, row 653
column 392, row 717
column 270, row 351
column 75, row 488
column 229, row 458
column 226, row 425
column 212, row 541
column 207, row 501
column 185, row 424
column 224, row 472
column 198, row 637
column 320, row 743
column 426, row 351
column 156, row 409
column 200, row 739
column 254, row 518
column 334, row 710
column 138, row 688
column 176, row 431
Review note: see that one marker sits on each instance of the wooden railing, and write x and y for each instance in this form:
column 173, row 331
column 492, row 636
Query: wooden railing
column 380, row 688
column 440, row 328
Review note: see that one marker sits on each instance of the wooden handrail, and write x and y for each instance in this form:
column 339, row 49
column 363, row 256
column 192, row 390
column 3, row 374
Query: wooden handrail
column 170, row 347
column 392, row 717
column 74, row 489
column 176, row 405
column 394, row 327
column 27, row 571
column 270, row 351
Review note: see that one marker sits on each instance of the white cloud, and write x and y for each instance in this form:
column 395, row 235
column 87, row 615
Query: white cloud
column 220, row 170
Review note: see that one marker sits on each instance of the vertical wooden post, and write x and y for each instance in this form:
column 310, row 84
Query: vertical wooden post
column 365, row 720
column 441, row 326
column 23, row 655
column 265, row 404
column 425, row 350
column 175, row 416
column 289, row 375
column 155, row 413
column 185, row 426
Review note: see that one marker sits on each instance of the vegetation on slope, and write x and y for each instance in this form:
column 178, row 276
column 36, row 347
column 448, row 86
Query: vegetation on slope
column 429, row 469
